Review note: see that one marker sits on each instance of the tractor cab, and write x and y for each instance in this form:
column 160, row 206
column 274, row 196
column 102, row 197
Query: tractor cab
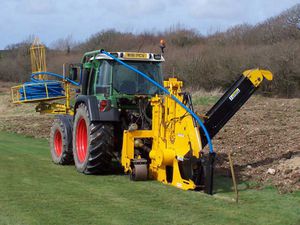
column 108, row 80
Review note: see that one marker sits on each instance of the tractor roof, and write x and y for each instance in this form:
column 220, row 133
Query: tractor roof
column 136, row 56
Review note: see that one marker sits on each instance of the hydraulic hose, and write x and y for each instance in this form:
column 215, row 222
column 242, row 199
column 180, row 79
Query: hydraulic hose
column 167, row 92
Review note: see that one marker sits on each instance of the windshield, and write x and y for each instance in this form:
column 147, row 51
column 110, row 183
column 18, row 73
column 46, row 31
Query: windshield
column 126, row 81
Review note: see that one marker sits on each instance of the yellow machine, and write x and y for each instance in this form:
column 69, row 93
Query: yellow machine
column 176, row 141
column 174, row 136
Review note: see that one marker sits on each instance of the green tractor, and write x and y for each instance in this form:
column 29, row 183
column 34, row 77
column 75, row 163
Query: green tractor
column 111, row 98
column 126, row 117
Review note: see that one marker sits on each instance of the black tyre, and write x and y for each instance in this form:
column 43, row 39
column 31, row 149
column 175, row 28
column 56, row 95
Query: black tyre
column 61, row 140
column 92, row 143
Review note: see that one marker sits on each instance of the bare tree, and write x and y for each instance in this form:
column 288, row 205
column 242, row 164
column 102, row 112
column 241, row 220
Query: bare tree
column 293, row 16
column 64, row 44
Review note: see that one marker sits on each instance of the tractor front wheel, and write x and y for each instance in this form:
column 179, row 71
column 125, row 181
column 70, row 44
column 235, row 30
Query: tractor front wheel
column 61, row 140
column 93, row 143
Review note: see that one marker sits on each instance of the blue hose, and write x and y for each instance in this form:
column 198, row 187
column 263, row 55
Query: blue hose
column 167, row 92
column 53, row 75
column 36, row 89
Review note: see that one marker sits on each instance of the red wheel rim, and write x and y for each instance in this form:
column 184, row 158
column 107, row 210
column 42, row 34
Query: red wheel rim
column 57, row 143
column 81, row 140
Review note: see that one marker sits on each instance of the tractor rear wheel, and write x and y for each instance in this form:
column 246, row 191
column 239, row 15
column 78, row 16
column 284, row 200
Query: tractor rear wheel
column 61, row 140
column 93, row 143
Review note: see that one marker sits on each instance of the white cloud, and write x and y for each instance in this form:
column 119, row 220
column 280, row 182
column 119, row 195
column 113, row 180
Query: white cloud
column 53, row 19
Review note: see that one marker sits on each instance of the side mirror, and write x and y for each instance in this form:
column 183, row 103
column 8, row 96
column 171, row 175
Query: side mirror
column 75, row 72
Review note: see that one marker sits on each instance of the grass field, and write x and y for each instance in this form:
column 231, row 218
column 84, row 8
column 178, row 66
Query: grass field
column 35, row 191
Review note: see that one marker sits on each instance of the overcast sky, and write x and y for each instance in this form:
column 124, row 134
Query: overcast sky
column 54, row 19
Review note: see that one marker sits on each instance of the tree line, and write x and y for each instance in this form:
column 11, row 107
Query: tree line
column 208, row 62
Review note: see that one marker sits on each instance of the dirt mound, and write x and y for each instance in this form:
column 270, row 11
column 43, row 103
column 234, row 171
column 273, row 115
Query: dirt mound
column 287, row 174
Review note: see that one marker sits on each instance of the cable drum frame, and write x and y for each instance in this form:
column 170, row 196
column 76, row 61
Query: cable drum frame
column 18, row 98
column 44, row 105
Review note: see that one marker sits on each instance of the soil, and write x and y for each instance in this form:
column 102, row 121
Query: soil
column 263, row 137
column 21, row 118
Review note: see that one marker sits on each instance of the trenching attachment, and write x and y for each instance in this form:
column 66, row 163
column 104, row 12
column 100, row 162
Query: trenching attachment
column 256, row 76
column 232, row 100
column 209, row 173
column 204, row 176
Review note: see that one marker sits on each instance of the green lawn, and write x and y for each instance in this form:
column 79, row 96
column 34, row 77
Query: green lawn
column 35, row 191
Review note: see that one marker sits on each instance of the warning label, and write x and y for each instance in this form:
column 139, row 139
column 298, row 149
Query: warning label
column 234, row 94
